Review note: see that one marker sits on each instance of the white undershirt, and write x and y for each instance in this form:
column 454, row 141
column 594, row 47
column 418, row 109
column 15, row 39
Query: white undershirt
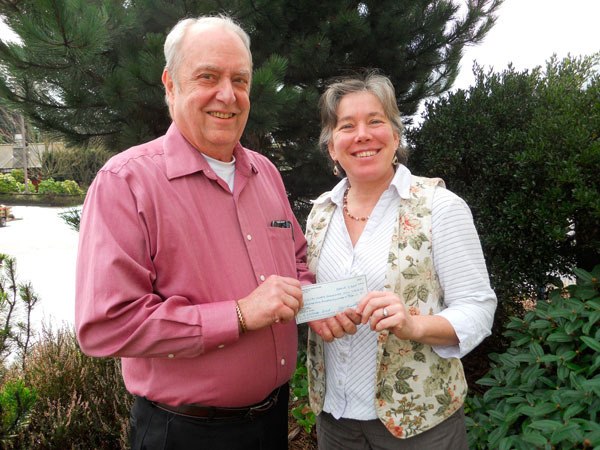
column 224, row 170
column 458, row 260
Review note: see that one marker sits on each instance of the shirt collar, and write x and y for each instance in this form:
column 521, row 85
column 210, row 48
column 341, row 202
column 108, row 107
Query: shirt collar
column 400, row 182
column 182, row 159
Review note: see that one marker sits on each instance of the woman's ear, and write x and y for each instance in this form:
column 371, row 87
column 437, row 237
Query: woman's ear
column 396, row 139
column 332, row 152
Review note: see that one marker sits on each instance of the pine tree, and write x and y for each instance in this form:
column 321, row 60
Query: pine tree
column 9, row 125
column 90, row 70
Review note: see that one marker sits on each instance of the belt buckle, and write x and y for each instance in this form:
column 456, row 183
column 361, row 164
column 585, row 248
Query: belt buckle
column 268, row 404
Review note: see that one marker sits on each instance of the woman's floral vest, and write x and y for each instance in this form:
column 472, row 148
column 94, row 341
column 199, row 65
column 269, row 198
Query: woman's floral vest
column 415, row 388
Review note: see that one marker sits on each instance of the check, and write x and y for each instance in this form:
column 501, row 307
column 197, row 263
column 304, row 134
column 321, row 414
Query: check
column 327, row 299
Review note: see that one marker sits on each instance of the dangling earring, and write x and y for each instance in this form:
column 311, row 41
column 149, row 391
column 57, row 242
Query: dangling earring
column 336, row 171
column 395, row 161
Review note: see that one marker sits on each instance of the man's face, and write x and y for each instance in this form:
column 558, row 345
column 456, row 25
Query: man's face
column 209, row 95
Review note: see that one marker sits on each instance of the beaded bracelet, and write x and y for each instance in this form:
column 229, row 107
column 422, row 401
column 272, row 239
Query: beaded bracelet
column 240, row 317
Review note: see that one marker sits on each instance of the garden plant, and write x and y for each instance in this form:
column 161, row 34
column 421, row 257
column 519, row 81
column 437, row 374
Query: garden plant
column 544, row 391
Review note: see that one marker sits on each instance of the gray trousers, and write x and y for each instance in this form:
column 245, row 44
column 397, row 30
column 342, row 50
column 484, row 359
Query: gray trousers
column 350, row 434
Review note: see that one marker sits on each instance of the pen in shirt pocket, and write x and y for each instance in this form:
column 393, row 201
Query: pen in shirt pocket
column 283, row 224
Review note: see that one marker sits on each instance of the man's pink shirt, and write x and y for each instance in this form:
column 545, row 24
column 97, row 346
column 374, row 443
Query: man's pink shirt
column 165, row 249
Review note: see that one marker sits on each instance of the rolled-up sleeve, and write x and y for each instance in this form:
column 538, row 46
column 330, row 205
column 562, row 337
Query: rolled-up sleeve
column 459, row 262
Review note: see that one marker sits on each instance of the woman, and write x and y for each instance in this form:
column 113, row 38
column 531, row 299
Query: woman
column 387, row 374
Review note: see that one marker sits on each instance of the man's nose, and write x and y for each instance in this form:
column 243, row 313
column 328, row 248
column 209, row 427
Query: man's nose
column 225, row 92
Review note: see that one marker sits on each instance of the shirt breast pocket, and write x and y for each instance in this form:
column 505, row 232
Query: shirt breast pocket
column 283, row 251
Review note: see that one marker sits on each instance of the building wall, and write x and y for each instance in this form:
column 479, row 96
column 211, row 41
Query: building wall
column 11, row 156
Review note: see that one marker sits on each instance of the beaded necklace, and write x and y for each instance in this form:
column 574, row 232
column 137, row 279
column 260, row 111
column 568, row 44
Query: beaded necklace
column 345, row 204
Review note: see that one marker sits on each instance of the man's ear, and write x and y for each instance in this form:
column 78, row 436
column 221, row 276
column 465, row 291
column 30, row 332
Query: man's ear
column 168, row 83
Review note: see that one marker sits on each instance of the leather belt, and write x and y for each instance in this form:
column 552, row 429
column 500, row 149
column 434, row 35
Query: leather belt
column 221, row 413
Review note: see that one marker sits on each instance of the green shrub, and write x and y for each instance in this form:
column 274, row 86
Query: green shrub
column 72, row 187
column 67, row 187
column 544, row 391
column 18, row 174
column 17, row 301
column 82, row 401
column 522, row 149
column 72, row 217
column 16, row 401
column 8, row 184
column 79, row 164
column 301, row 411
column 30, row 185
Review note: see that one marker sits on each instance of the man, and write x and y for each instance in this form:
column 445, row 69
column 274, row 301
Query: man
column 191, row 261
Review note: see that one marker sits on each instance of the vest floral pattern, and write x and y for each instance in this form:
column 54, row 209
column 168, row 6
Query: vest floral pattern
column 415, row 388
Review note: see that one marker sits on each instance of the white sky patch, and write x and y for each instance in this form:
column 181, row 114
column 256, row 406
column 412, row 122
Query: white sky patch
column 528, row 32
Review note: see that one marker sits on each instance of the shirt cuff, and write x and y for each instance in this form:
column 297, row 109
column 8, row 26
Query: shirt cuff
column 219, row 325
column 467, row 330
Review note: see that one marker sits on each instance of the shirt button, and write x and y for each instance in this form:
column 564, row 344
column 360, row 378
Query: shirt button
column 171, row 355
column 221, row 346
column 249, row 237
column 262, row 278
column 283, row 361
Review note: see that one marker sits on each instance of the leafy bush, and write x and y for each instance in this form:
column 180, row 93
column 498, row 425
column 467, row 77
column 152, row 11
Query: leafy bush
column 16, row 401
column 8, row 184
column 67, row 187
column 17, row 301
column 522, row 149
column 72, row 217
column 544, row 391
column 82, row 401
column 301, row 411
column 79, row 164
column 54, row 396
column 18, row 174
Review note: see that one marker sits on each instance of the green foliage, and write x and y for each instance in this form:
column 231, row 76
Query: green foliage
column 72, row 217
column 16, row 402
column 78, row 164
column 91, row 71
column 544, row 391
column 522, row 149
column 9, row 123
column 301, row 411
column 67, row 187
column 8, row 184
column 81, row 402
column 18, row 175
column 16, row 299
column 57, row 397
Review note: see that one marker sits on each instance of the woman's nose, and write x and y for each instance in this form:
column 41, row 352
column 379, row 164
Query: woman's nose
column 362, row 132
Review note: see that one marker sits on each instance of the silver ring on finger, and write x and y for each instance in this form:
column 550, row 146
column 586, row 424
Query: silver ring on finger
column 385, row 313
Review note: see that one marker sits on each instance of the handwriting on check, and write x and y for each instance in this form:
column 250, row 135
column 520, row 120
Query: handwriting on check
column 327, row 299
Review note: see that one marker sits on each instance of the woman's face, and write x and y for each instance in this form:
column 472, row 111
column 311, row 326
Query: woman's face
column 363, row 141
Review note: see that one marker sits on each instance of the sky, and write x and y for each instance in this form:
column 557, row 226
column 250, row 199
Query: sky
column 527, row 33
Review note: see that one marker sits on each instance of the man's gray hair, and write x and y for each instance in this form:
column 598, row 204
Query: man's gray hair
column 173, row 56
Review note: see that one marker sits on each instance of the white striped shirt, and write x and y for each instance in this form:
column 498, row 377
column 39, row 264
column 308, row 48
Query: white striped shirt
column 458, row 260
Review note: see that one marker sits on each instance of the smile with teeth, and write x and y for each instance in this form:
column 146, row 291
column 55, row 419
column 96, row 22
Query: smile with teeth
column 221, row 115
column 365, row 154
